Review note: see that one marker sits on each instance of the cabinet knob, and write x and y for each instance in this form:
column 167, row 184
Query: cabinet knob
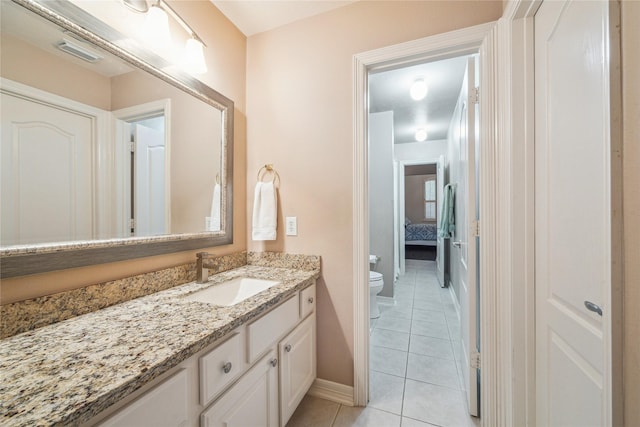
column 287, row 348
column 274, row 362
column 226, row 368
column 310, row 300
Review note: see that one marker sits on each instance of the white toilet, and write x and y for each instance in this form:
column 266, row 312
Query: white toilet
column 375, row 287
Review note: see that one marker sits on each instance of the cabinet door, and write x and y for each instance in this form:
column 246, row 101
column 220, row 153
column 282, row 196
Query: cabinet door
column 297, row 366
column 165, row 405
column 252, row 401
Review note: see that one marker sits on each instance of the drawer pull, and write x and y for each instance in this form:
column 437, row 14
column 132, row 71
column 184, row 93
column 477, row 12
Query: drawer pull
column 310, row 300
column 287, row 348
column 226, row 368
column 274, row 362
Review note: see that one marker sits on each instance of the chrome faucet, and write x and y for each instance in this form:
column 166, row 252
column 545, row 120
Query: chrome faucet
column 202, row 267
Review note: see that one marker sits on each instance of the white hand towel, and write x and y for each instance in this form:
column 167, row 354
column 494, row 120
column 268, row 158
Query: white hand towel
column 265, row 211
column 214, row 224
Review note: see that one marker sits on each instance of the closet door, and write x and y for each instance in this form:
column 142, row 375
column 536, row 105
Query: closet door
column 573, row 214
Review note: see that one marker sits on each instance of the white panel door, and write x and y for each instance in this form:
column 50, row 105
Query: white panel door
column 149, row 189
column 47, row 173
column 572, row 209
column 465, row 236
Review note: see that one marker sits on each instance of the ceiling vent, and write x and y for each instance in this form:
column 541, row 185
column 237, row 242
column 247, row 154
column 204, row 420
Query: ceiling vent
column 77, row 50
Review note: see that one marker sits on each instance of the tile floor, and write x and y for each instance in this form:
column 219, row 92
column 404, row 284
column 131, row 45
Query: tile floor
column 415, row 375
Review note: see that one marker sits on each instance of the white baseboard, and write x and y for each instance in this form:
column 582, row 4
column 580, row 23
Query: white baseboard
column 334, row 392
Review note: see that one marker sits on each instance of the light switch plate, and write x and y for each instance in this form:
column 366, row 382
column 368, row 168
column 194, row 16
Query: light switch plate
column 291, row 225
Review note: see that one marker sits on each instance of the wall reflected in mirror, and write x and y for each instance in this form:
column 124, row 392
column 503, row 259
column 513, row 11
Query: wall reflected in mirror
column 93, row 148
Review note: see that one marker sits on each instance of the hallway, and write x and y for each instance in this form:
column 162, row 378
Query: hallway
column 415, row 369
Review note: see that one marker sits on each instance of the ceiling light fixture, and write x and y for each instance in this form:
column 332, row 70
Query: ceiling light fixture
column 418, row 89
column 421, row 135
column 157, row 23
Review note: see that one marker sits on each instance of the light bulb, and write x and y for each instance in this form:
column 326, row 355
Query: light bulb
column 421, row 135
column 418, row 89
column 193, row 61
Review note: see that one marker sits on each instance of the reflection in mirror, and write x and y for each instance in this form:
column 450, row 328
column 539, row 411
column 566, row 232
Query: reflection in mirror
column 94, row 148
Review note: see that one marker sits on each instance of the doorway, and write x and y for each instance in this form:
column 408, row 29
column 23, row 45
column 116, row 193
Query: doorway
column 142, row 172
column 473, row 39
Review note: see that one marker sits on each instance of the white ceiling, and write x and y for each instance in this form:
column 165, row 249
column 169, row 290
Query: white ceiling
column 255, row 16
column 389, row 91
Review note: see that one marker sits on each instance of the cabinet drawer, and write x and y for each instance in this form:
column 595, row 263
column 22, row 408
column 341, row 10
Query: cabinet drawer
column 164, row 405
column 220, row 367
column 307, row 301
column 262, row 333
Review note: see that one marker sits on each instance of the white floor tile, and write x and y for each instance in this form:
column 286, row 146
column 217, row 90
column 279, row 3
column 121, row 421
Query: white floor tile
column 433, row 370
column 429, row 316
column 410, row 422
column 397, row 312
column 435, row 404
column 429, row 329
column 390, row 339
column 428, row 304
column 365, row 417
column 394, row 323
column 386, row 392
column 388, row 361
column 429, row 346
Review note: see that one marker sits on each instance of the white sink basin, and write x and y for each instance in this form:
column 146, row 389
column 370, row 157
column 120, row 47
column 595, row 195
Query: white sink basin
column 231, row 292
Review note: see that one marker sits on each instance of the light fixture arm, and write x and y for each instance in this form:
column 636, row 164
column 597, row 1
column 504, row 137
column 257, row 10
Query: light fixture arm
column 165, row 6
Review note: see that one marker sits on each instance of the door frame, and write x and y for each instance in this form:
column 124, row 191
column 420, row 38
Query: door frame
column 122, row 164
column 455, row 43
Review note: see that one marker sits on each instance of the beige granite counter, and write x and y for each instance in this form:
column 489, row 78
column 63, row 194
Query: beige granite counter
column 70, row 371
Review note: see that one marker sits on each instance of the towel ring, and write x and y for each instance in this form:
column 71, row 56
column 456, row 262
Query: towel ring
column 265, row 170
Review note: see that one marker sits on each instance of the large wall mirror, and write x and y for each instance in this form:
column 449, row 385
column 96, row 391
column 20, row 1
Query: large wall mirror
column 109, row 151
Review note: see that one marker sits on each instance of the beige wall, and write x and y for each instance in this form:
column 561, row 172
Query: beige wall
column 631, row 171
column 24, row 63
column 299, row 90
column 226, row 60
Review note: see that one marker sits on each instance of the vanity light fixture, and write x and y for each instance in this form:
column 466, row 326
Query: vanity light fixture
column 418, row 89
column 157, row 26
column 421, row 135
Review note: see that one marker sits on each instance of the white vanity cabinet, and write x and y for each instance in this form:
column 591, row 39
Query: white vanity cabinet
column 255, row 376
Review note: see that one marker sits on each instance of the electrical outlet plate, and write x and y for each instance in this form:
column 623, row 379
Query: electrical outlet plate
column 291, row 226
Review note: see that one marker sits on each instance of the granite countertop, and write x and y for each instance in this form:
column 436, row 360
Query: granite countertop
column 70, row 371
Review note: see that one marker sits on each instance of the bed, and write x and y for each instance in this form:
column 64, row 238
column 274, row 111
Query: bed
column 420, row 234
